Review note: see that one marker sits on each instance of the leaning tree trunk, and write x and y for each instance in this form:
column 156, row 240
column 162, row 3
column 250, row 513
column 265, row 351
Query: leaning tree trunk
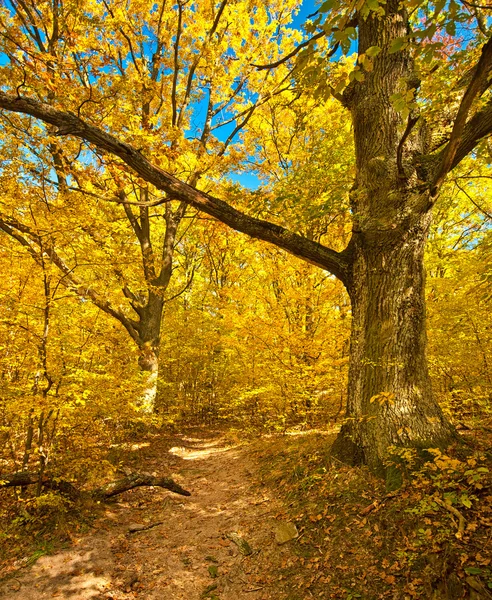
column 390, row 401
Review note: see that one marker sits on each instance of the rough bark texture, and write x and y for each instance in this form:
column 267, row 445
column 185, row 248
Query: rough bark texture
column 390, row 401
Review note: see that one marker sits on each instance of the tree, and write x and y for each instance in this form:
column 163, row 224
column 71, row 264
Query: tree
column 66, row 392
column 53, row 45
column 406, row 142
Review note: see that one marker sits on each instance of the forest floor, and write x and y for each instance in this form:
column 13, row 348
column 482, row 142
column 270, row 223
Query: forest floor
column 353, row 538
column 187, row 554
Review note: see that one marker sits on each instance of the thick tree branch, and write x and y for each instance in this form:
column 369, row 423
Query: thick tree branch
column 477, row 86
column 337, row 263
column 477, row 128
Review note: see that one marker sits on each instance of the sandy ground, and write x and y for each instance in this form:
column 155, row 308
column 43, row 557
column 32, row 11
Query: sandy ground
column 188, row 555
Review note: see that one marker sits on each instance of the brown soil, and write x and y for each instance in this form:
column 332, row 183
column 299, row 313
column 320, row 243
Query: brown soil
column 187, row 555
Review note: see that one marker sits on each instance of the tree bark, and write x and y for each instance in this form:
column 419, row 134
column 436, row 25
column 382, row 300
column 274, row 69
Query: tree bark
column 390, row 400
column 149, row 343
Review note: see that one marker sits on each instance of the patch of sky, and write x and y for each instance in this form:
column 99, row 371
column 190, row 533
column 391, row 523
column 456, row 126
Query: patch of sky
column 249, row 180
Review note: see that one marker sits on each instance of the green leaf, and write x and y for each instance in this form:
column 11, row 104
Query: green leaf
column 327, row 6
column 451, row 28
column 351, row 33
column 397, row 45
column 373, row 51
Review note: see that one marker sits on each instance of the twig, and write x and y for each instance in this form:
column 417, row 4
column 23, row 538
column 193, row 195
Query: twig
column 482, row 210
column 138, row 528
column 454, row 511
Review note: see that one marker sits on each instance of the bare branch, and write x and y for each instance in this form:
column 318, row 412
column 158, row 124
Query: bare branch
column 483, row 211
column 174, row 100
column 294, row 52
column 183, row 290
column 475, row 88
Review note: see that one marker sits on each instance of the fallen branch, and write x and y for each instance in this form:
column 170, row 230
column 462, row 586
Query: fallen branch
column 138, row 527
column 24, row 478
column 133, row 481
column 454, row 511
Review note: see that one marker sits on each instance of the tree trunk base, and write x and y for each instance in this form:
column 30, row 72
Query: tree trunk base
column 390, row 465
column 346, row 450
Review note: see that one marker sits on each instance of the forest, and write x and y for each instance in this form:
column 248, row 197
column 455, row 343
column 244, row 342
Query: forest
column 247, row 257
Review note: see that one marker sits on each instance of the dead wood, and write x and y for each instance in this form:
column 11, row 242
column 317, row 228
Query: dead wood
column 25, row 478
column 138, row 480
column 138, row 527
column 104, row 492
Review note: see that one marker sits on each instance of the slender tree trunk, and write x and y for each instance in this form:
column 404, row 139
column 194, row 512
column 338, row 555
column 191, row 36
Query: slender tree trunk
column 149, row 343
column 149, row 365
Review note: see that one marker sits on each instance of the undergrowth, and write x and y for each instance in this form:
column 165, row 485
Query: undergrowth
column 428, row 540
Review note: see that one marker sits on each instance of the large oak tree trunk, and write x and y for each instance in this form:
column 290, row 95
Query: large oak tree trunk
column 390, row 400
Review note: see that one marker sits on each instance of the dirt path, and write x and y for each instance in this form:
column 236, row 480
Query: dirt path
column 188, row 555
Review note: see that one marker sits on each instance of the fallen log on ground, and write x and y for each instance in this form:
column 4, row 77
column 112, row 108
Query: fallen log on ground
column 25, row 478
column 132, row 481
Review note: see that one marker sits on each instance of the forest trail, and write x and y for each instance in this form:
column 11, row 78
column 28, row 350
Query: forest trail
column 187, row 555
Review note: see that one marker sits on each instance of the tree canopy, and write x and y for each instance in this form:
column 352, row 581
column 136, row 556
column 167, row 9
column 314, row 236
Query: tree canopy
column 122, row 123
